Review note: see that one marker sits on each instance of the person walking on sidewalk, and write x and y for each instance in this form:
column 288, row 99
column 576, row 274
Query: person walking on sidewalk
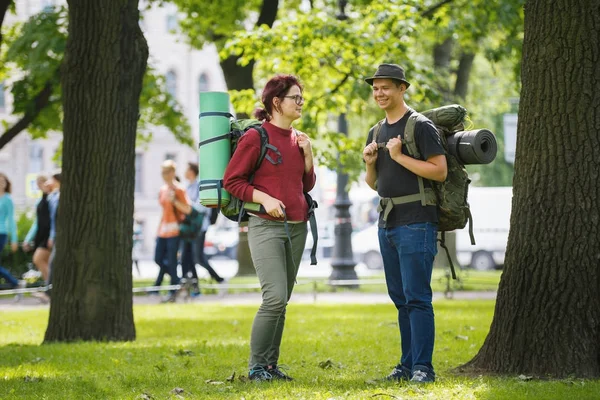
column 277, row 238
column 8, row 228
column 39, row 233
column 407, row 229
column 193, row 251
column 175, row 204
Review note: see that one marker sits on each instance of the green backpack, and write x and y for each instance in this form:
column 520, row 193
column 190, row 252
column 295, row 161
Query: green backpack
column 451, row 195
column 236, row 209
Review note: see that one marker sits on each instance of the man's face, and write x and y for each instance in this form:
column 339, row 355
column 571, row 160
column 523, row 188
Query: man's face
column 189, row 174
column 387, row 93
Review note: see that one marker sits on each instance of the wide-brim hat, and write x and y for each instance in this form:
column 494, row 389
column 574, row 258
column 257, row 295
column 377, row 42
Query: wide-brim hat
column 389, row 71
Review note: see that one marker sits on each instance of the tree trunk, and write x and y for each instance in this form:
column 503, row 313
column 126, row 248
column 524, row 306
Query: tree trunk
column 104, row 65
column 239, row 77
column 461, row 88
column 547, row 317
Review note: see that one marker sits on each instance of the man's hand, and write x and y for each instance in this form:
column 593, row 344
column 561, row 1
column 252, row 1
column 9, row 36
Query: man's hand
column 26, row 247
column 370, row 153
column 274, row 207
column 50, row 244
column 394, row 145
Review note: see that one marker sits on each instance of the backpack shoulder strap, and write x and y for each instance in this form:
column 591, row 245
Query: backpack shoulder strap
column 377, row 129
column 264, row 147
column 409, row 135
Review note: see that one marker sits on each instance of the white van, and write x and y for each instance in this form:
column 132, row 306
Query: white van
column 490, row 208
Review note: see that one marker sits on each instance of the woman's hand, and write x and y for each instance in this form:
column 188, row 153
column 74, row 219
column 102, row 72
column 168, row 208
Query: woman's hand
column 304, row 143
column 14, row 247
column 274, row 207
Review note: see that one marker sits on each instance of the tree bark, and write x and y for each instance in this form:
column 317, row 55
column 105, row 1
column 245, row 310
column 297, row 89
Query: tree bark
column 461, row 88
column 4, row 4
column 104, row 65
column 238, row 77
column 547, row 316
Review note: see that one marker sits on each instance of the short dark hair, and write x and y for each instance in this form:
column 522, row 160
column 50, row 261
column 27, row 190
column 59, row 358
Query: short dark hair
column 194, row 167
column 57, row 177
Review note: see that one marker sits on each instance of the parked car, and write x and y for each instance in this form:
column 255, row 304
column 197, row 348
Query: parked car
column 222, row 241
column 365, row 245
column 490, row 209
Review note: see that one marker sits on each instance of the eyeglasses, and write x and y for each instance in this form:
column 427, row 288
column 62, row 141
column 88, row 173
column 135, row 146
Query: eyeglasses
column 297, row 98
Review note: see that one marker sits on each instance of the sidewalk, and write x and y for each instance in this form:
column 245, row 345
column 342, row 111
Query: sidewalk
column 28, row 303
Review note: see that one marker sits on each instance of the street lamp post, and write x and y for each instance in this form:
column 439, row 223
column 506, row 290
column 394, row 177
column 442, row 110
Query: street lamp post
column 342, row 261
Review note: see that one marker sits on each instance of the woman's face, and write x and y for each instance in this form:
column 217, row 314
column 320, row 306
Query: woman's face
column 168, row 175
column 3, row 182
column 291, row 104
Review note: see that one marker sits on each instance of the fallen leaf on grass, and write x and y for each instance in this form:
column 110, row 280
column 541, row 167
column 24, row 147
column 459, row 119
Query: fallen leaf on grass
column 460, row 337
column 385, row 394
column 327, row 364
column 31, row 378
column 183, row 352
column 231, row 378
column 145, row 396
column 177, row 390
column 210, row 381
column 525, row 377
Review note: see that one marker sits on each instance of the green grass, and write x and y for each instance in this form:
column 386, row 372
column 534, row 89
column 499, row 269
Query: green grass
column 196, row 347
column 469, row 280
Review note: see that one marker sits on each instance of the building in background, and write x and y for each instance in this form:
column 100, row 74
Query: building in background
column 187, row 72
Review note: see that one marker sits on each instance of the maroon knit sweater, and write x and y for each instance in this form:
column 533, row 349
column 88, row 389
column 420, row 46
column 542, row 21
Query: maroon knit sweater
column 286, row 181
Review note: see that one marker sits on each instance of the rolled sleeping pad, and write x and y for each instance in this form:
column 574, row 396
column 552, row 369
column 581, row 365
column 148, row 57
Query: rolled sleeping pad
column 214, row 150
column 478, row 146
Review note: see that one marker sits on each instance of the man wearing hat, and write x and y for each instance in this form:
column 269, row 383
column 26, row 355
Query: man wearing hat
column 407, row 227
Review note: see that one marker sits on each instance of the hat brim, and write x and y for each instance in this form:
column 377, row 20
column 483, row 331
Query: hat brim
column 371, row 79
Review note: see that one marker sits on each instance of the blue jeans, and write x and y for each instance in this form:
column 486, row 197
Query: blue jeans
column 165, row 256
column 408, row 252
column 4, row 273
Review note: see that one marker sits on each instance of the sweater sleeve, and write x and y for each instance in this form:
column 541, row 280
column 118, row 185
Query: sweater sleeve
column 32, row 232
column 12, row 223
column 242, row 165
column 308, row 180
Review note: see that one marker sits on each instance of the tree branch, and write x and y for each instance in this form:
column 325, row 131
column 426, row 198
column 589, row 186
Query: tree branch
column 39, row 102
column 4, row 4
column 429, row 12
column 338, row 86
column 268, row 13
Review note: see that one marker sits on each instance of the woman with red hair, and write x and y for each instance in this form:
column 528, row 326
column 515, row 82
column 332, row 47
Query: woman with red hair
column 277, row 237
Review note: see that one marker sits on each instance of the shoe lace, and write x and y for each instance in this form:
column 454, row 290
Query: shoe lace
column 395, row 372
column 261, row 373
column 419, row 375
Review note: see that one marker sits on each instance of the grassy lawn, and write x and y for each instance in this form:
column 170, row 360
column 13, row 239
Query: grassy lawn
column 334, row 352
column 469, row 280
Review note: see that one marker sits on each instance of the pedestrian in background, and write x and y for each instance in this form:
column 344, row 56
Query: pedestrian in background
column 8, row 228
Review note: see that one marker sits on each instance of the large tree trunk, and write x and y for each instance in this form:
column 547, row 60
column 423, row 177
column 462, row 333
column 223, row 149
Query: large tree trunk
column 547, row 317
column 239, row 77
column 104, row 65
